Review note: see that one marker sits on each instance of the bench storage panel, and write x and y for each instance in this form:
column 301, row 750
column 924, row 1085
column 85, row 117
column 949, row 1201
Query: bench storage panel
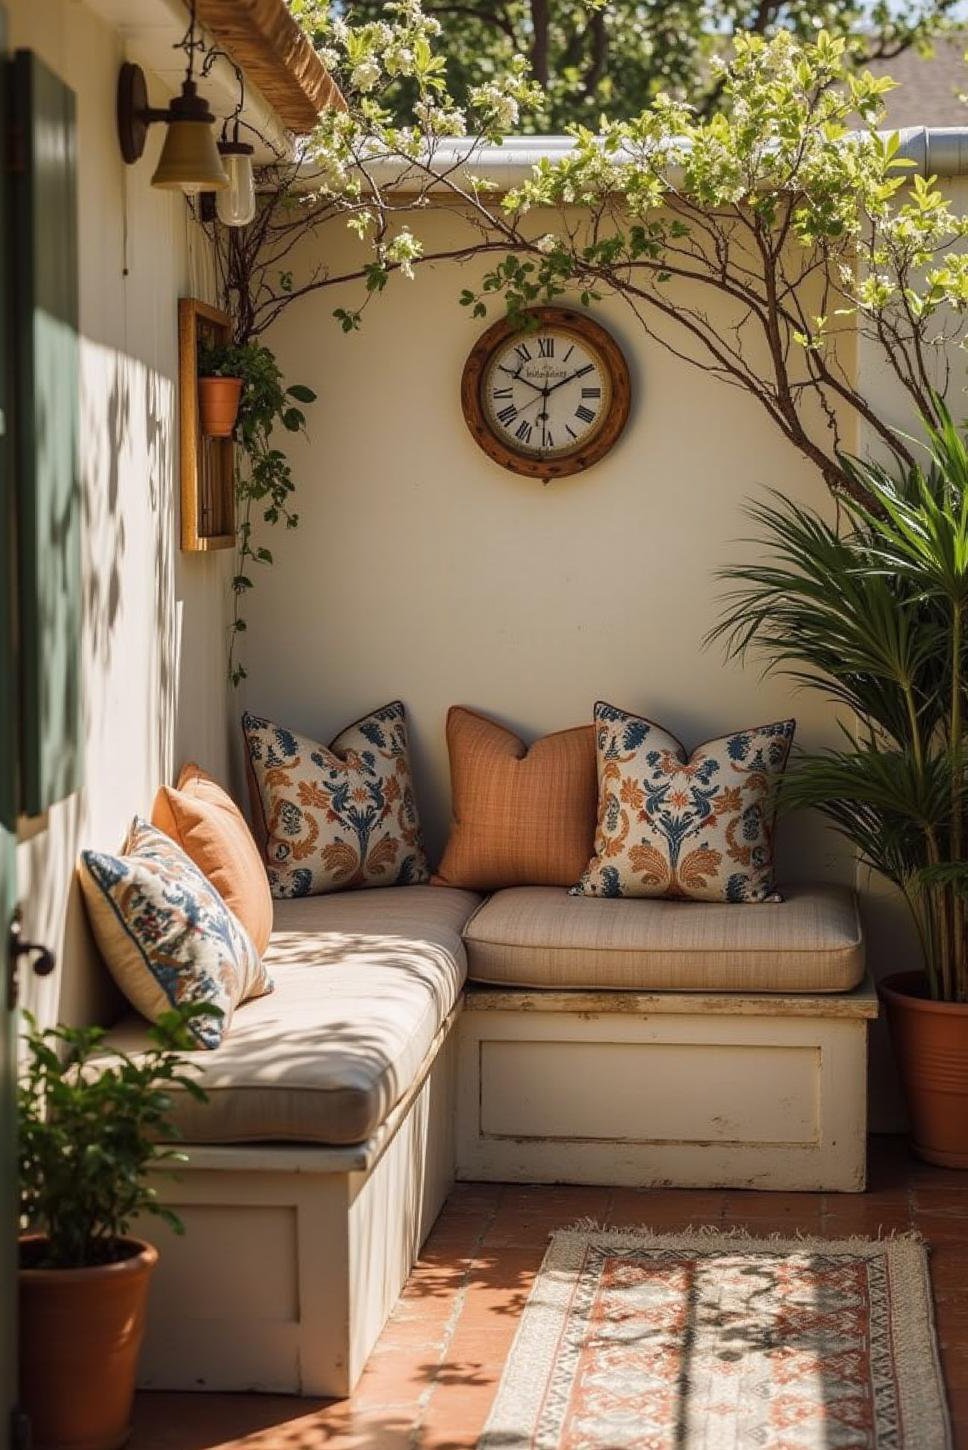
column 638, row 1089
column 294, row 1256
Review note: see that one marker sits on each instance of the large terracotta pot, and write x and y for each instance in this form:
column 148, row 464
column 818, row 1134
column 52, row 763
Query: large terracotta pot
column 931, row 1046
column 218, row 405
column 80, row 1336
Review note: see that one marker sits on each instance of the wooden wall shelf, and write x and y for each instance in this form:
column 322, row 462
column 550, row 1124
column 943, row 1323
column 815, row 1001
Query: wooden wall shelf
column 207, row 464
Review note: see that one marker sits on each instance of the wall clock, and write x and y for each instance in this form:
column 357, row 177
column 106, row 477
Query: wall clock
column 550, row 401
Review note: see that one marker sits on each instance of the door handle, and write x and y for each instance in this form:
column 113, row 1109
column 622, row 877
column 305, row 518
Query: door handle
column 18, row 948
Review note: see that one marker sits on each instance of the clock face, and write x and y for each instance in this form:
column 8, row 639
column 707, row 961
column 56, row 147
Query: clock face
column 546, row 392
column 549, row 399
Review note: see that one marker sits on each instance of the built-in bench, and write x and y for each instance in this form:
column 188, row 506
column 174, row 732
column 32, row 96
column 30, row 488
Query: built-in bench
column 665, row 1042
column 633, row 1042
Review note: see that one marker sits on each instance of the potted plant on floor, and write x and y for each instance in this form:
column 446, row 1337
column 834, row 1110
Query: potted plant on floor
column 89, row 1134
column 875, row 614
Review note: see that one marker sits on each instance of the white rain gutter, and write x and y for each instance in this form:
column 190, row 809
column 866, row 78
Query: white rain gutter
column 935, row 150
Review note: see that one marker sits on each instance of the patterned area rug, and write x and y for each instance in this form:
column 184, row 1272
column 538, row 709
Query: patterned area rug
column 721, row 1342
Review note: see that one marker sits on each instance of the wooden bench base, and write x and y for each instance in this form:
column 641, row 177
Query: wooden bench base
column 690, row 1090
column 293, row 1257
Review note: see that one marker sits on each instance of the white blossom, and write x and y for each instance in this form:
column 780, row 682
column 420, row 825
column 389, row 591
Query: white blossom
column 404, row 250
column 366, row 75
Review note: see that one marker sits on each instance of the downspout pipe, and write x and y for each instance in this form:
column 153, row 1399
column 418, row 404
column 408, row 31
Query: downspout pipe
column 936, row 150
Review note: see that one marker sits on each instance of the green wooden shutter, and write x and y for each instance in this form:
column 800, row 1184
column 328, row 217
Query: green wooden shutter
column 8, row 823
column 45, row 434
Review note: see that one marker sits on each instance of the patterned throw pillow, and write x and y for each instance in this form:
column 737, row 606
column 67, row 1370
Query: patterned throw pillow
column 165, row 933
column 699, row 827
column 338, row 817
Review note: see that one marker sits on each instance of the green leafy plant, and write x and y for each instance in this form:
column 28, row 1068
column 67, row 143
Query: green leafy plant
column 875, row 616
column 263, row 475
column 90, row 1132
column 615, row 56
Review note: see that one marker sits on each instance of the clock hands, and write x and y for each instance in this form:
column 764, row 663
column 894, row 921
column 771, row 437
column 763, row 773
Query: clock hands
column 578, row 373
column 519, row 376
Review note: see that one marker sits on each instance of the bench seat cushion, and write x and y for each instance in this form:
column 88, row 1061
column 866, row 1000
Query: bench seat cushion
column 533, row 936
column 363, row 981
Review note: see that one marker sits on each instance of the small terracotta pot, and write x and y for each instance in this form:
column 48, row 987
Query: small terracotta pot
column 80, row 1336
column 931, row 1047
column 218, row 405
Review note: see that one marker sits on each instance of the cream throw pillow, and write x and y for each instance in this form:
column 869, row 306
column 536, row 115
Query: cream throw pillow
column 699, row 827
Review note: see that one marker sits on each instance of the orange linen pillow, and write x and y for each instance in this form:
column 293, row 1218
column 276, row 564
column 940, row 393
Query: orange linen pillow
column 210, row 828
column 521, row 817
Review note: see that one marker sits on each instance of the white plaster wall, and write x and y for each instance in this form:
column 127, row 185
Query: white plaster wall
column 423, row 570
column 154, row 618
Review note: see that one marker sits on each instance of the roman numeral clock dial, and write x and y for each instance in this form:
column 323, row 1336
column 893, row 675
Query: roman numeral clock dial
column 548, row 400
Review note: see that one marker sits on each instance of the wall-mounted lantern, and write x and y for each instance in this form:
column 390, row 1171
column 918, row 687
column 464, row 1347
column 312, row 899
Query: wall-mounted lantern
column 190, row 160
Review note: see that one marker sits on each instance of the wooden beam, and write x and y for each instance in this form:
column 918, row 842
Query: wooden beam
column 262, row 37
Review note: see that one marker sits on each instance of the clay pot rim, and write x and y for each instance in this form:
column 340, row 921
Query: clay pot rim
column 143, row 1260
column 220, row 378
column 893, row 989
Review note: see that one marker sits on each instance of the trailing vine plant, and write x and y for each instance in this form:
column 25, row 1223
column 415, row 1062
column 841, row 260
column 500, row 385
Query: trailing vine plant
column 263, row 473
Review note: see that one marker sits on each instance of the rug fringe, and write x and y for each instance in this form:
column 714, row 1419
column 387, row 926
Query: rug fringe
column 713, row 1236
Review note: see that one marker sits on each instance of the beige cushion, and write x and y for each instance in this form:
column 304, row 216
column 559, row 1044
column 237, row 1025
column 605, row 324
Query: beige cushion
column 538, row 936
column 363, row 981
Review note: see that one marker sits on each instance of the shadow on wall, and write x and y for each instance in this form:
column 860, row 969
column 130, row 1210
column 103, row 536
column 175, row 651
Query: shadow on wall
column 159, row 403
column 128, row 664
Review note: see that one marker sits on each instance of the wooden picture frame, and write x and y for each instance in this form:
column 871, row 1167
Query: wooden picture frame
column 207, row 465
column 558, row 465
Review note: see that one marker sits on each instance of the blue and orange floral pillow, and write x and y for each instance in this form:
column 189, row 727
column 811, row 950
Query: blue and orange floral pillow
column 698, row 826
column 165, row 933
column 340, row 816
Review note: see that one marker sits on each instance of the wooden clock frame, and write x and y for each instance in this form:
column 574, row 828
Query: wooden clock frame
column 561, row 465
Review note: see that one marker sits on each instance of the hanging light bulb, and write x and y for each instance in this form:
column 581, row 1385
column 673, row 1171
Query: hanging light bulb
column 235, row 203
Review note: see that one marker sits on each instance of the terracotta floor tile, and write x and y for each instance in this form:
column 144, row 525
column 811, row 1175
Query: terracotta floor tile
column 427, row 1334
column 456, row 1418
column 867, row 1216
column 396, row 1375
column 954, row 1362
column 498, row 1288
column 749, row 1204
column 942, row 1228
column 431, row 1380
column 664, row 1209
column 948, row 1201
column 951, row 1311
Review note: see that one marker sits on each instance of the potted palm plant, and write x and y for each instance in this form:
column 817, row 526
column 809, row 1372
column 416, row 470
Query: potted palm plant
column 89, row 1134
column 874, row 613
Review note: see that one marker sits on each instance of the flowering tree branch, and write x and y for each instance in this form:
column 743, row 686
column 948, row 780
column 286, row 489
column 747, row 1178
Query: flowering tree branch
column 759, row 244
